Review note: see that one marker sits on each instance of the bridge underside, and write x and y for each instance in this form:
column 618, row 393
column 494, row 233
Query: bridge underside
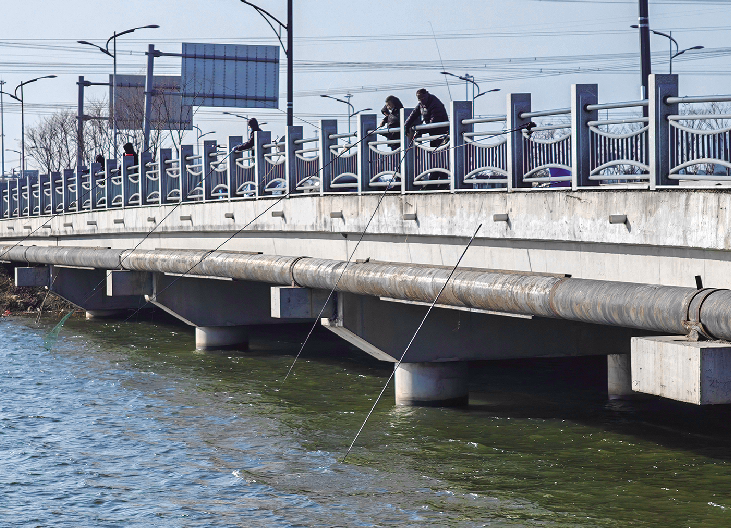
column 566, row 234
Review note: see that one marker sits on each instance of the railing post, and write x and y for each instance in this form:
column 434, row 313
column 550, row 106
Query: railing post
column 186, row 151
column 111, row 165
column 460, row 110
column 261, row 138
column 518, row 103
column 93, row 189
column 68, row 176
column 582, row 95
column 328, row 127
column 290, row 162
column 660, row 88
column 146, row 186
column 209, row 182
column 127, row 189
column 231, row 180
column 364, row 124
column 164, row 181
column 407, row 155
column 3, row 192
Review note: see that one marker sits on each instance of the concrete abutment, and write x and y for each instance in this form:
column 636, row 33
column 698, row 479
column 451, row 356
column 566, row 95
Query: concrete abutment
column 434, row 384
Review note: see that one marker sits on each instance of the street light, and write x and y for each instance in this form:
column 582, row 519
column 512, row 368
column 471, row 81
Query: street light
column 359, row 111
column 672, row 41
column 467, row 78
column 352, row 108
column 236, row 115
column 199, row 136
column 14, row 95
column 113, row 55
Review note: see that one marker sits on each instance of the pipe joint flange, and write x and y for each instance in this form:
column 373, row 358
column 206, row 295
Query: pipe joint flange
column 692, row 322
column 291, row 272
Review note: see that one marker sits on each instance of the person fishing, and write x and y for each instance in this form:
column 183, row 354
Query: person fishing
column 392, row 119
column 254, row 127
column 429, row 110
column 129, row 150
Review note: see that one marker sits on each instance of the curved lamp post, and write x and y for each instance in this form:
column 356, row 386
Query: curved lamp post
column 352, row 108
column 467, row 78
column 15, row 96
column 113, row 55
column 678, row 51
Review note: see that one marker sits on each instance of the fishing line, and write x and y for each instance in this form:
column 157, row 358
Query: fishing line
column 527, row 126
column 440, row 59
column 398, row 364
column 285, row 195
column 347, row 263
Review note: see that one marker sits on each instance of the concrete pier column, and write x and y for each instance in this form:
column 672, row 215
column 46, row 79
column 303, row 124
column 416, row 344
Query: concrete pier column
column 437, row 384
column 104, row 314
column 217, row 337
column 619, row 376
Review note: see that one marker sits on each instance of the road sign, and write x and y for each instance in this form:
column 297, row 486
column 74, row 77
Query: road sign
column 169, row 112
column 230, row 75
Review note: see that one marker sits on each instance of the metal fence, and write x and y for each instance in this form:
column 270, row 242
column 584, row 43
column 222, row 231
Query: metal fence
column 661, row 141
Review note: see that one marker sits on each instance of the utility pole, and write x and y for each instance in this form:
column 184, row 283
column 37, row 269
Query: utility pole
column 290, row 66
column 644, row 26
column 2, row 128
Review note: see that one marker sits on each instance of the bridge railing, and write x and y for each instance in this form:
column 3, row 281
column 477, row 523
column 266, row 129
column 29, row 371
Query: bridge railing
column 700, row 139
column 660, row 141
column 619, row 147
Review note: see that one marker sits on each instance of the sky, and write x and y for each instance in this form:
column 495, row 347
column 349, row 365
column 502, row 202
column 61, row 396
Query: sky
column 369, row 49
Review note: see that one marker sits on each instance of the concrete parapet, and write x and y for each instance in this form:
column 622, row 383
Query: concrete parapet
column 673, row 367
column 32, row 277
column 441, row 384
column 218, row 337
column 291, row 302
column 128, row 283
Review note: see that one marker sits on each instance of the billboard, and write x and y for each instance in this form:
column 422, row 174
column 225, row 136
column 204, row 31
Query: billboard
column 169, row 112
column 230, row 75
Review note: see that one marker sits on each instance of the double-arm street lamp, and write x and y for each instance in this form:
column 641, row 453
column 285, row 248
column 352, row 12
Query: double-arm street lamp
column 113, row 55
column 15, row 96
column 672, row 41
column 199, row 136
column 467, row 78
column 352, row 111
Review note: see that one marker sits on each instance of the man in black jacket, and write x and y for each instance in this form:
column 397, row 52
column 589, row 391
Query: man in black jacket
column 429, row 110
column 254, row 126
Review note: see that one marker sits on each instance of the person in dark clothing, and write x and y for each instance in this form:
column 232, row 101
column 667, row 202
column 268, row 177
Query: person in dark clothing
column 429, row 110
column 392, row 119
column 100, row 160
column 254, row 126
column 129, row 150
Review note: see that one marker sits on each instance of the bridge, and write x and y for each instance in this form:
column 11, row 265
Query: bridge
column 598, row 237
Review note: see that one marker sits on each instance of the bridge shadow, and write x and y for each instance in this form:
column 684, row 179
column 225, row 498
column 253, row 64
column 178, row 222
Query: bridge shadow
column 575, row 389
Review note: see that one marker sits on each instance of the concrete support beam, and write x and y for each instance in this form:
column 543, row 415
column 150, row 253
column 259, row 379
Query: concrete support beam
column 204, row 302
column 673, row 367
column 221, row 337
column 291, row 302
column 432, row 384
column 619, row 376
column 128, row 283
column 86, row 288
column 32, row 277
column 453, row 334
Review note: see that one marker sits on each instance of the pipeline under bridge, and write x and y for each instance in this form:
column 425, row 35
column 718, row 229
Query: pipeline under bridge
column 500, row 314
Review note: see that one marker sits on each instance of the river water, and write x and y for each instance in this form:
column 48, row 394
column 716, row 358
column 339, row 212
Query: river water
column 126, row 425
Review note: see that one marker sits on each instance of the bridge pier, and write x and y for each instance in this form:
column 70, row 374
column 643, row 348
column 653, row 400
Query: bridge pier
column 619, row 376
column 221, row 337
column 434, row 384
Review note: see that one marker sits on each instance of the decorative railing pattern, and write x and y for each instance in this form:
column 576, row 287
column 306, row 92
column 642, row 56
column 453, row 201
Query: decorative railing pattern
column 572, row 146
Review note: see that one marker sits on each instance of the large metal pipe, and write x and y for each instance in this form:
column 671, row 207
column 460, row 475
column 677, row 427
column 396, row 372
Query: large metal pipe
column 645, row 306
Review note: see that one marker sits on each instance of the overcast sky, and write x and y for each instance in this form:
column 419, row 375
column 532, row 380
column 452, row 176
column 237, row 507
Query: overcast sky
column 533, row 46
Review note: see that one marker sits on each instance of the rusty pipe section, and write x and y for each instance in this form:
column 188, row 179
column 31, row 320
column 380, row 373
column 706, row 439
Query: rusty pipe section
column 644, row 306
